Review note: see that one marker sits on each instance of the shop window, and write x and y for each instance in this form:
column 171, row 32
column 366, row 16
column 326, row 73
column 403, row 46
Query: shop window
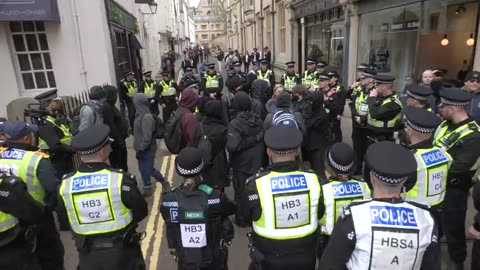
column 282, row 27
column 32, row 55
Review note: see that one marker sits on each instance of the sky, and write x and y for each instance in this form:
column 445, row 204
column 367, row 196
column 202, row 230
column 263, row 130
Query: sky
column 193, row 3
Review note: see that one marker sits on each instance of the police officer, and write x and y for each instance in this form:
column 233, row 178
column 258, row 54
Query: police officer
column 290, row 79
column 188, row 79
column 168, row 95
column 251, row 76
column 321, row 66
column 416, row 96
column 103, row 206
column 237, row 70
column 150, row 88
column 459, row 135
column 338, row 96
column 340, row 190
column 212, row 83
column 128, row 88
column 24, row 160
column 196, row 215
column 19, row 213
column 385, row 232
column 54, row 133
column 310, row 76
column 285, row 205
column 433, row 163
column 266, row 74
column 359, row 111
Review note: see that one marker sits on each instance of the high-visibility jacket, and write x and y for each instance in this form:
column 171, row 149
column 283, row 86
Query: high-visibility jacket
column 149, row 89
column 386, row 124
column 289, row 205
column 289, row 82
column 309, row 78
column 167, row 89
column 337, row 195
column 266, row 76
column 7, row 221
column 432, row 173
column 24, row 164
column 132, row 88
column 66, row 138
column 212, row 81
column 94, row 203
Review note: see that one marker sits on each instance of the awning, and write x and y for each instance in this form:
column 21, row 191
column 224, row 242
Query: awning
column 29, row 10
column 136, row 44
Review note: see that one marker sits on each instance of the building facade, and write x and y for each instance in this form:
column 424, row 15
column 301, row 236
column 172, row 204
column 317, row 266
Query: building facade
column 73, row 45
column 208, row 23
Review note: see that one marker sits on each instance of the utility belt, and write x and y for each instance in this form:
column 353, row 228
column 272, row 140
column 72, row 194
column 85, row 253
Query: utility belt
column 169, row 100
column 127, row 239
column 18, row 233
column 260, row 253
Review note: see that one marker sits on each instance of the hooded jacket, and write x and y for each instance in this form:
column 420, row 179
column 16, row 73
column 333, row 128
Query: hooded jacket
column 113, row 118
column 317, row 123
column 211, row 125
column 189, row 123
column 245, row 137
column 144, row 125
column 259, row 92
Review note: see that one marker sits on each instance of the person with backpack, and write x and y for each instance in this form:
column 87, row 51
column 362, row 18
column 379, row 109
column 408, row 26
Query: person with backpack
column 145, row 144
column 210, row 138
column 118, row 129
column 246, row 148
column 91, row 112
column 282, row 110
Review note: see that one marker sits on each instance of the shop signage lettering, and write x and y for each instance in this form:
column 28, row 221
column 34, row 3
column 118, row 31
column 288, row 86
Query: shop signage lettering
column 401, row 26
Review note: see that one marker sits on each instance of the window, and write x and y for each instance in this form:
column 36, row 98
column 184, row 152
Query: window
column 282, row 26
column 268, row 28
column 32, row 55
column 217, row 26
column 204, row 27
column 204, row 36
column 210, row 2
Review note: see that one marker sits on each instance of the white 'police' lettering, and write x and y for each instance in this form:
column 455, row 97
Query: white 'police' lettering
column 13, row 154
column 346, row 189
column 393, row 216
column 288, row 183
column 434, row 157
column 92, row 181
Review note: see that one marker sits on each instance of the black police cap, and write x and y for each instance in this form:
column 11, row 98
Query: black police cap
column 340, row 158
column 47, row 96
column 454, row 97
column 129, row 72
column 210, row 65
column 421, row 120
column 282, row 139
column 237, row 64
column 323, row 76
column 92, row 139
column 147, row 73
column 368, row 73
column 390, row 163
column 188, row 162
column 290, row 64
column 362, row 66
column 472, row 75
column 321, row 64
column 165, row 72
column 419, row 92
column 263, row 61
column 384, row 79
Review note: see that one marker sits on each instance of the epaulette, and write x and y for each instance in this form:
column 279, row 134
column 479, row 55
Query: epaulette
column 43, row 154
column 126, row 174
column 347, row 211
column 259, row 174
column 68, row 175
column 419, row 205
column 205, row 188
column 122, row 80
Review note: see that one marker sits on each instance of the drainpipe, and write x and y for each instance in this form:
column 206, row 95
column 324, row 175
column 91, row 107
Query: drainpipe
column 254, row 27
column 346, row 44
column 273, row 32
column 261, row 24
column 83, row 71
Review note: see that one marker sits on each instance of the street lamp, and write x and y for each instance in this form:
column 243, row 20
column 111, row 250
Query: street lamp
column 153, row 8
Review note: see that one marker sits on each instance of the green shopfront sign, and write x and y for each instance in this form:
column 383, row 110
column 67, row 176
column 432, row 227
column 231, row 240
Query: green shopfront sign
column 118, row 15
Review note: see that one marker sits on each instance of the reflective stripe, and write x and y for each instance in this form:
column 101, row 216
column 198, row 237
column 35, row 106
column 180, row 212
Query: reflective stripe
column 31, row 172
column 266, row 225
column 148, row 89
column 431, row 181
column 131, row 88
column 265, row 77
column 334, row 205
column 386, row 124
column 442, row 135
column 309, row 78
column 7, row 221
column 212, row 82
column 290, row 83
column 120, row 215
column 167, row 89
column 66, row 139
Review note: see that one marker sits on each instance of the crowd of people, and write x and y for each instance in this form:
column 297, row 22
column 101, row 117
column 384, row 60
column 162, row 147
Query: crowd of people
column 310, row 199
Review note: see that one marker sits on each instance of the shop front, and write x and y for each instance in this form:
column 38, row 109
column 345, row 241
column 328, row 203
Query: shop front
column 409, row 37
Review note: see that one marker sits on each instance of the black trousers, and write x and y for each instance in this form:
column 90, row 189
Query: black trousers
column 168, row 110
column 304, row 261
column 246, row 67
column 336, row 130
column 239, row 181
column 131, row 112
column 18, row 255
column 359, row 147
column 476, row 255
column 62, row 163
column 49, row 249
column 219, row 262
column 117, row 257
column 454, row 213
column 317, row 161
column 119, row 156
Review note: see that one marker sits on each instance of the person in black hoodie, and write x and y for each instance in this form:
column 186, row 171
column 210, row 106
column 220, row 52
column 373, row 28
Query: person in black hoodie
column 258, row 94
column 118, row 129
column 319, row 134
column 246, row 148
column 215, row 173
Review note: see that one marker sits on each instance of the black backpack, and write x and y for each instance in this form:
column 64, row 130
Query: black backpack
column 75, row 125
column 159, row 132
column 173, row 132
column 206, row 146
